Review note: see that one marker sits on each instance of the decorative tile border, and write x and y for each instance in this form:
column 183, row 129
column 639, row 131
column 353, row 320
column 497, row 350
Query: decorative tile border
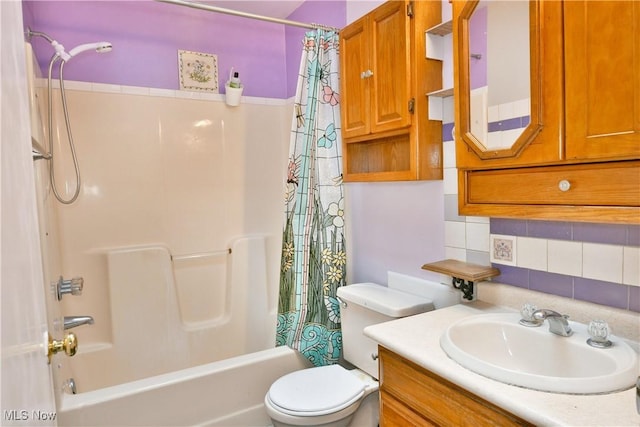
column 579, row 288
column 614, row 234
column 606, row 260
column 164, row 93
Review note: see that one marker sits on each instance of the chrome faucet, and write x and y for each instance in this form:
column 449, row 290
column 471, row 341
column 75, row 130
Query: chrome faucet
column 73, row 321
column 558, row 323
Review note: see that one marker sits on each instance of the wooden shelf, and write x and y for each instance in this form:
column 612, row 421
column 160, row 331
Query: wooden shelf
column 442, row 93
column 441, row 29
column 463, row 270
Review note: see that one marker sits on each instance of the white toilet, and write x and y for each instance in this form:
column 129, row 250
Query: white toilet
column 332, row 395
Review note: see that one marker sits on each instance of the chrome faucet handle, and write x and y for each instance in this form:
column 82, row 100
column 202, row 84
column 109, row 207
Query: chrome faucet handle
column 69, row 386
column 527, row 319
column 73, row 286
column 599, row 332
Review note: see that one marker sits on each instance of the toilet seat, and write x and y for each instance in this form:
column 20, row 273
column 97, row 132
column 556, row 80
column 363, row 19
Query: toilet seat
column 316, row 391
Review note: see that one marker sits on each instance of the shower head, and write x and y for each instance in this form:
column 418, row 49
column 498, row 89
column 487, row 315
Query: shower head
column 100, row 47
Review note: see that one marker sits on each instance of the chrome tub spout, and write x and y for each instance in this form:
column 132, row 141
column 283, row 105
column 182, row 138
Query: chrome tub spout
column 74, row 321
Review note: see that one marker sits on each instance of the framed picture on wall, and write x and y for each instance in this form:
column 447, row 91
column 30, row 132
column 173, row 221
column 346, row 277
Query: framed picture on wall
column 198, row 71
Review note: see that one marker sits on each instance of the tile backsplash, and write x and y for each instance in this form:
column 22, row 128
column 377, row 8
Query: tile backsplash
column 598, row 263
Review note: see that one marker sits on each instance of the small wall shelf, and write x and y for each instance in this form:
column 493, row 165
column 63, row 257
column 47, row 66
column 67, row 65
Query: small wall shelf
column 435, row 42
column 464, row 274
column 442, row 93
column 442, row 29
column 436, row 102
column 438, row 39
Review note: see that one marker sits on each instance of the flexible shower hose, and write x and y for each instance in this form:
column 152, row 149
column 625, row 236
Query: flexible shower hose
column 69, row 135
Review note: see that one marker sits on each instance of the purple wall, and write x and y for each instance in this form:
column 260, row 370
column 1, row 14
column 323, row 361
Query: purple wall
column 327, row 12
column 146, row 36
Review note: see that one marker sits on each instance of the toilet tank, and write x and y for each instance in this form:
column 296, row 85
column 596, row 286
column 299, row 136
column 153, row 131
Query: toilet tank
column 365, row 304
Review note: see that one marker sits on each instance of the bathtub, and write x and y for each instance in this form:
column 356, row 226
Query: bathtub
column 225, row 393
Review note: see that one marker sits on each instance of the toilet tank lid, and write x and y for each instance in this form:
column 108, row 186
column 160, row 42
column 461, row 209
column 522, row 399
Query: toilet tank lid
column 384, row 300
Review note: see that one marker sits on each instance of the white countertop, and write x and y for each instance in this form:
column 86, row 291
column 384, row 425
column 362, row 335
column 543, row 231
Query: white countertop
column 417, row 338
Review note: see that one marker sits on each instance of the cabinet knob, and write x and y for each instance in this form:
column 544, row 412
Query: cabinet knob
column 564, row 185
column 366, row 74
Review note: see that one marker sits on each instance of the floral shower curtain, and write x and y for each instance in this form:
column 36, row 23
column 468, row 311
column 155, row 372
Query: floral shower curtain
column 313, row 249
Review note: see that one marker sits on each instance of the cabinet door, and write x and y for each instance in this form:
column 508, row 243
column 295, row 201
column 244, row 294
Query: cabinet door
column 602, row 63
column 541, row 141
column 420, row 393
column 391, row 80
column 355, row 104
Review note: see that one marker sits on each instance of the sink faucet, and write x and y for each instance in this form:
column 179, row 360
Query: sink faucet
column 558, row 323
column 73, row 321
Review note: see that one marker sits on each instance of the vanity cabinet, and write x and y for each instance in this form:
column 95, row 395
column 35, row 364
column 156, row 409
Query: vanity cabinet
column 413, row 396
column 577, row 154
column 385, row 128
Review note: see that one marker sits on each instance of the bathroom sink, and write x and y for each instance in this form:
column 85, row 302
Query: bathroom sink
column 498, row 347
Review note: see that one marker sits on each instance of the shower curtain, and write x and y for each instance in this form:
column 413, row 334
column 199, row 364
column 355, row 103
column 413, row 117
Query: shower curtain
column 313, row 262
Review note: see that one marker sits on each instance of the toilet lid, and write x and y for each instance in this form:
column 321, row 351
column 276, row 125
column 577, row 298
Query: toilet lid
column 316, row 391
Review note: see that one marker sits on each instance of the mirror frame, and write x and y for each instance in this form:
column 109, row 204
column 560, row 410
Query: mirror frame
column 463, row 85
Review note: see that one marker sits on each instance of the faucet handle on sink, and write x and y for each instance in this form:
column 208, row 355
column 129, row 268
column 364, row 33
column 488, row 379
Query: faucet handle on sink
column 526, row 312
column 599, row 332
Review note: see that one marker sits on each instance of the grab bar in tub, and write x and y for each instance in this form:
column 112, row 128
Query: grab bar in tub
column 199, row 255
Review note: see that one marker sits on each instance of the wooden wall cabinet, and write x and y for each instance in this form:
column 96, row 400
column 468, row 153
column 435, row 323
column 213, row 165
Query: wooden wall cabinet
column 376, row 67
column 582, row 163
column 602, row 79
column 413, row 396
column 384, row 75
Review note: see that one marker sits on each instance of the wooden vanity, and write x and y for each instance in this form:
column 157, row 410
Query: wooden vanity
column 412, row 395
column 420, row 385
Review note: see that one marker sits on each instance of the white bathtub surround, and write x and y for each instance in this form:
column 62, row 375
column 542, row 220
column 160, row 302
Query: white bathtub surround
column 417, row 338
column 169, row 315
column 166, row 174
column 225, row 393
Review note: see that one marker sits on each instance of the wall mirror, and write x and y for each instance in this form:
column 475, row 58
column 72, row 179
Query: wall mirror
column 499, row 76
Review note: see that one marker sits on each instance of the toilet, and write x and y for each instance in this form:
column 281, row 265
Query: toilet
column 333, row 395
